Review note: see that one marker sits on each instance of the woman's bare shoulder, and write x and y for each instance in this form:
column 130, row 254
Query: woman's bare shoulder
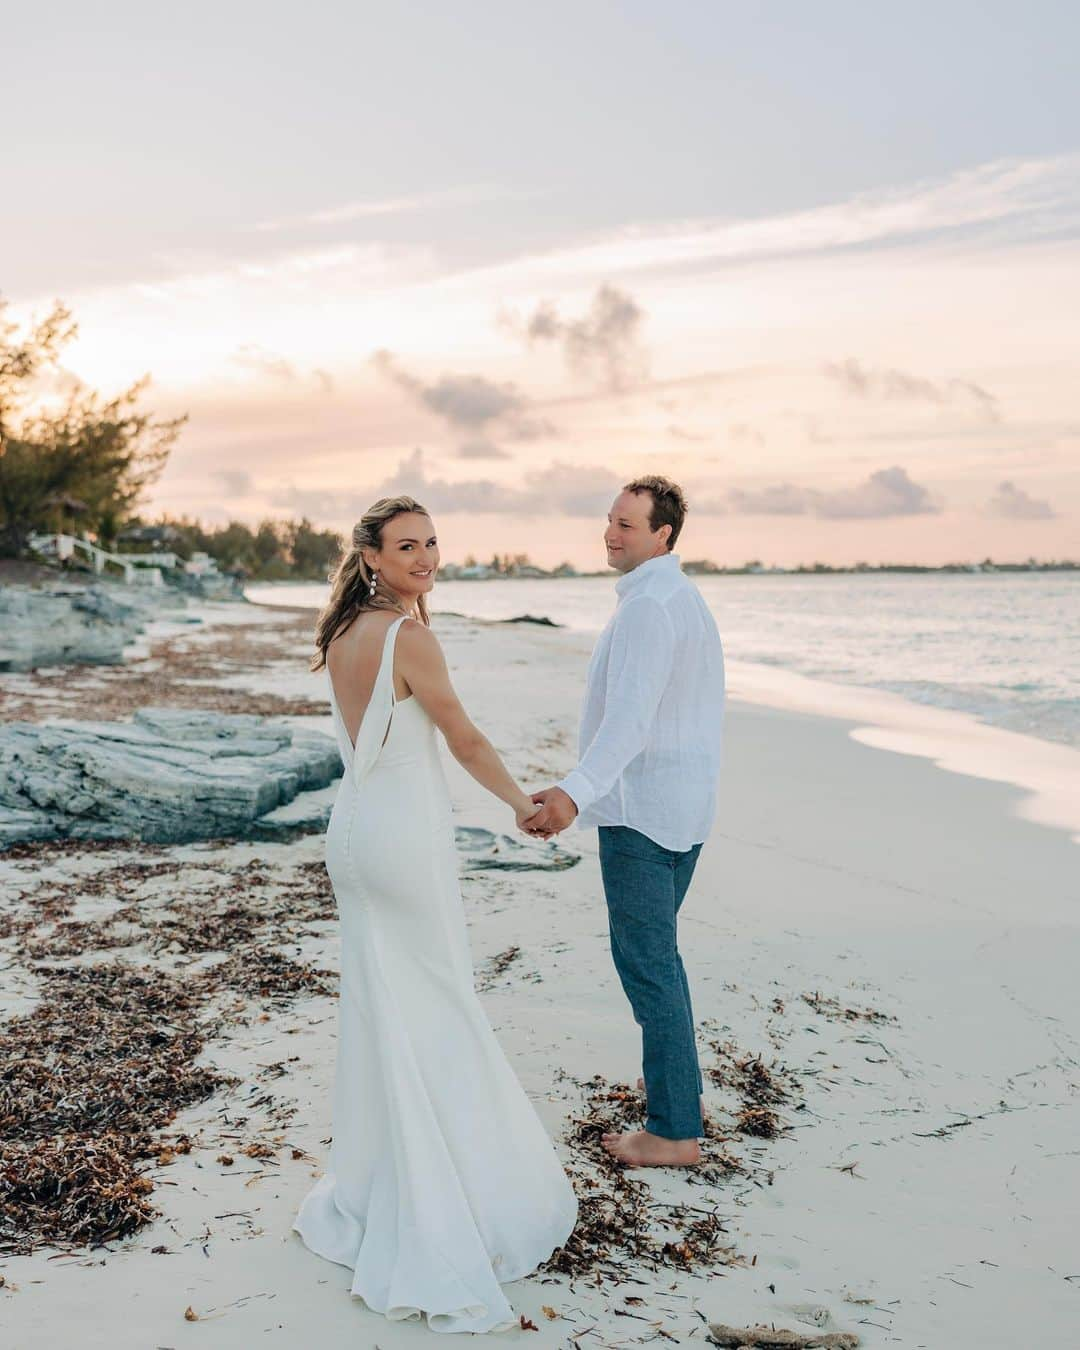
column 417, row 637
column 418, row 645
column 353, row 642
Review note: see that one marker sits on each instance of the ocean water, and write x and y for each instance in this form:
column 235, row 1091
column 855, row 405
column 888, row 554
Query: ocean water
column 1004, row 647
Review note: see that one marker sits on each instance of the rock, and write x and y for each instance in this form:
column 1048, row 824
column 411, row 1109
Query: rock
column 62, row 625
column 309, row 813
column 171, row 776
column 166, row 776
column 71, row 624
column 207, row 585
column 483, row 851
column 533, row 618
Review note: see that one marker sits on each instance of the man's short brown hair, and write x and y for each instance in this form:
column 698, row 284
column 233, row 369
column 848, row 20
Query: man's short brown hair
column 668, row 503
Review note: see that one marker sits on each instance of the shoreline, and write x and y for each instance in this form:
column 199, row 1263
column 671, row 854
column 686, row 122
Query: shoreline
column 1046, row 771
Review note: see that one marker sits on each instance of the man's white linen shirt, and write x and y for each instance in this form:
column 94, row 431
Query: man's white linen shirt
column 651, row 723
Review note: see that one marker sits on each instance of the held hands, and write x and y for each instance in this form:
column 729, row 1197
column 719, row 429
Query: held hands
column 526, row 813
column 557, row 810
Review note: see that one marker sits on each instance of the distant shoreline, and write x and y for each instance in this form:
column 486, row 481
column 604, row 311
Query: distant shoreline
column 692, row 569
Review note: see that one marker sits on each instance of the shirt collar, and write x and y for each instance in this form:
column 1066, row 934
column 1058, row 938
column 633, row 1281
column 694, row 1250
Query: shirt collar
column 630, row 581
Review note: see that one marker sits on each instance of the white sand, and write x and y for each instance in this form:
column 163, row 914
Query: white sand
column 835, row 867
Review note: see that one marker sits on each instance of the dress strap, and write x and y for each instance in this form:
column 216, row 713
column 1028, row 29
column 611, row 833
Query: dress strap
column 375, row 724
column 386, row 666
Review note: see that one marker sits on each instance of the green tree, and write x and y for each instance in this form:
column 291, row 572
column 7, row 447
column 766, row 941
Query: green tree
column 312, row 551
column 270, row 547
column 93, row 456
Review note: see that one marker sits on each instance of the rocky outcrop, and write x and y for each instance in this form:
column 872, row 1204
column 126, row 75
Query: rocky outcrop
column 165, row 777
column 68, row 624
column 483, row 851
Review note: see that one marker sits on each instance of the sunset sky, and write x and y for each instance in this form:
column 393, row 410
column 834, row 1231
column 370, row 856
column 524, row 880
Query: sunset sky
column 820, row 263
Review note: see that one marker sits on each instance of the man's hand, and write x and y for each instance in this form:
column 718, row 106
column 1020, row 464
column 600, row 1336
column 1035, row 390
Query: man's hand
column 557, row 811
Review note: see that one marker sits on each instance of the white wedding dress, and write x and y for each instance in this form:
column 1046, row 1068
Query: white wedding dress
column 442, row 1183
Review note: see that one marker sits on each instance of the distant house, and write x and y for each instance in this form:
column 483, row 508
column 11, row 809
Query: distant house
column 163, row 559
column 201, row 565
column 476, row 572
column 149, row 534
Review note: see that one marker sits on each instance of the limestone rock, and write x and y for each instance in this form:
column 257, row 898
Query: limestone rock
column 71, row 624
column 167, row 776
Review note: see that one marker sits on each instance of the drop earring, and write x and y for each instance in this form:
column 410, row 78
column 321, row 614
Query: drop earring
column 374, row 579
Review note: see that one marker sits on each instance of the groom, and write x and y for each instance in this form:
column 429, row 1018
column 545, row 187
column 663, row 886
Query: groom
column 650, row 758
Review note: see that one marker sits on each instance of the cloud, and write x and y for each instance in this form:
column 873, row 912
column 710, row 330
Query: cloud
column 1015, row 504
column 681, row 434
column 604, row 345
column 270, row 366
column 236, row 482
column 887, row 492
column 745, row 433
column 562, row 489
column 469, row 403
column 386, row 206
column 1007, row 199
column 321, row 504
column 897, row 384
column 261, row 362
column 481, row 449
column 783, row 499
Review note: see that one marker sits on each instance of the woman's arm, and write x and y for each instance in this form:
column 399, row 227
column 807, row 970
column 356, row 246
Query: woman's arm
column 420, row 660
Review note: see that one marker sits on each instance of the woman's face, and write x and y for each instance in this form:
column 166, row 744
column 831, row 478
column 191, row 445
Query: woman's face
column 409, row 557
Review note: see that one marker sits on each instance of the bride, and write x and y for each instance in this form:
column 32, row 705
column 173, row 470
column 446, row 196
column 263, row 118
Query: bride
column 442, row 1183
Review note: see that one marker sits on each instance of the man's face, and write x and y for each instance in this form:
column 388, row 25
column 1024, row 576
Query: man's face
column 628, row 538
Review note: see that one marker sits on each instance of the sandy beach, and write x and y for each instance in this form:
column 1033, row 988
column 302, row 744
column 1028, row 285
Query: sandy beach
column 894, row 943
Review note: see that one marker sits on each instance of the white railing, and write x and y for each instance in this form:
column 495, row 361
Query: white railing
column 64, row 546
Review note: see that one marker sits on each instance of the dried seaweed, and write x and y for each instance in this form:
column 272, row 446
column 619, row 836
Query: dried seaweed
column 496, row 967
column 775, row 1338
column 270, row 976
column 619, row 1221
column 91, row 1076
column 70, row 1191
column 87, row 1079
column 109, row 1048
column 833, row 1009
column 757, row 1083
column 761, row 1087
column 758, row 1121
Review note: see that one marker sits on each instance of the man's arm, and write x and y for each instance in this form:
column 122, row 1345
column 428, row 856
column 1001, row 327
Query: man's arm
column 639, row 666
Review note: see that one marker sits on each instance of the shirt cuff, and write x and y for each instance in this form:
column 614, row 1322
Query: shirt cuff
column 577, row 788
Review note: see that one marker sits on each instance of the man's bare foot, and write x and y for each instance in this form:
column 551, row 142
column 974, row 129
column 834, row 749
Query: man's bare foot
column 642, row 1149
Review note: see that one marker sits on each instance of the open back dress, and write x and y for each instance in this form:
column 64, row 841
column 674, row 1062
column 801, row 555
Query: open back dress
column 442, row 1184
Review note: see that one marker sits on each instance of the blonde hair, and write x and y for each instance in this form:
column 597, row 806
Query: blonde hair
column 350, row 586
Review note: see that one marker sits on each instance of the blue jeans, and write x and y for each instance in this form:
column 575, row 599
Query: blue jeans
column 645, row 885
